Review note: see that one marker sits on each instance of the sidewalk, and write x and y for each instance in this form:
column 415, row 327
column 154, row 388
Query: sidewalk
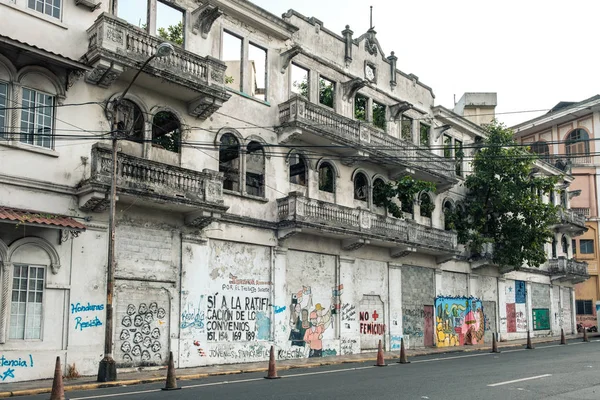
column 156, row 375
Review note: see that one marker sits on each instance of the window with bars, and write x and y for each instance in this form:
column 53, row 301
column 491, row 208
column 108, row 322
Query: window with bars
column 36, row 118
column 3, row 101
column 26, row 305
column 584, row 307
column 48, row 7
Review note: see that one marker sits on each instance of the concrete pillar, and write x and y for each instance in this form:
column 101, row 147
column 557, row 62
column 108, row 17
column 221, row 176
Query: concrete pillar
column 573, row 311
column 501, row 307
column 395, row 305
column 348, row 328
column 528, row 306
column 280, row 336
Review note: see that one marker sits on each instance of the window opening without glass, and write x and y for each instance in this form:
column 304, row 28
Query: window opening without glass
column 130, row 120
column 459, row 155
column 426, row 208
column 166, row 131
column 258, row 71
column 326, row 92
column 232, row 57
column 406, row 128
column 300, row 83
column 297, row 169
column 447, row 146
column 326, row 178
column 169, row 23
column 360, row 107
column 26, row 305
column 361, row 187
column 424, row 135
column 378, row 187
column 379, row 115
column 229, row 161
column 255, row 169
column 37, row 118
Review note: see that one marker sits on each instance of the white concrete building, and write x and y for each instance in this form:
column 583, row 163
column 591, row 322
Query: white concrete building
column 245, row 213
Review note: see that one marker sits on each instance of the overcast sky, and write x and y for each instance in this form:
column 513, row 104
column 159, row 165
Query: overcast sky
column 533, row 53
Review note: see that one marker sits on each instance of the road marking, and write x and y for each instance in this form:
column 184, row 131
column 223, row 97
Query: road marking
column 222, row 383
column 452, row 358
column 100, row 396
column 519, row 380
column 326, row 372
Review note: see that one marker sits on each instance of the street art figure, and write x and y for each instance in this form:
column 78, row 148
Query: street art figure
column 459, row 321
column 307, row 323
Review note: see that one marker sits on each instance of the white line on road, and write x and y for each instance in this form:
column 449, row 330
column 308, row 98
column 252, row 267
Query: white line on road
column 326, row 372
column 519, row 380
column 222, row 383
column 115, row 394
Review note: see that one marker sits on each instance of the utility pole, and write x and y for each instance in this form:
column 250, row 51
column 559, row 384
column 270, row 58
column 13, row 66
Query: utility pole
column 107, row 369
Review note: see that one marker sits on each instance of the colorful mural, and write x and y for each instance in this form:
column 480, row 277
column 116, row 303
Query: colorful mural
column 459, row 321
column 516, row 313
column 308, row 322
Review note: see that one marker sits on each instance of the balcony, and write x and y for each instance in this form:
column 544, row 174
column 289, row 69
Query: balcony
column 117, row 49
column 571, row 223
column 318, row 125
column 567, row 270
column 358, row 227
column 197, row 195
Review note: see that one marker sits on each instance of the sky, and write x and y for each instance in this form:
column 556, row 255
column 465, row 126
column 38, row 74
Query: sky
column 532, row 53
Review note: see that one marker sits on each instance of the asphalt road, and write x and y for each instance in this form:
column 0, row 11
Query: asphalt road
column 548, row 372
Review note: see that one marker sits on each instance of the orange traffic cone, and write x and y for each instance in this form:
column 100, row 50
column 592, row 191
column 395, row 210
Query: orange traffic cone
column 58, row 389
column 562, row 336
column 494, row 344
column 272, row 374
column 171, row 379
column 529, row 345
column 380, row 359
column 585, row 337
column 403, row 358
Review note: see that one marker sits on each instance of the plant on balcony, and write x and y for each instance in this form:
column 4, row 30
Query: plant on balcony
column 173, row 33
column 504, row 204
column 404, row 189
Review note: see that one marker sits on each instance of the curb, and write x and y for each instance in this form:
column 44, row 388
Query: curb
column 130, row 382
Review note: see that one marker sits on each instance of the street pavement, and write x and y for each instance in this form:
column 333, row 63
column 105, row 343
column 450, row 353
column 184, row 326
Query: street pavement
column 550, row 371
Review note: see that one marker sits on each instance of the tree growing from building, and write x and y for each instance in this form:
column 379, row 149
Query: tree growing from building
column 504, row 205
column 398, row 197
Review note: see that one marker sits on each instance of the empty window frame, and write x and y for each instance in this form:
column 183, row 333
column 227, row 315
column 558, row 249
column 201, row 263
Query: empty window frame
column 361, row 187
column 360, row 107
column 554, row 248
column 406, row 127
column 26, row 311
column 232, row 57
column 459, row 154
column 169, row 23
column 48, row 7
column 166, row 131
column 378, row 111
column 448, row 210
column 564, row 244
column 326, row 92
column 447, row 146
column 298, row 169
column 326, row 178
column 255, row 169
column 424, row 134
column 37, row 118
column 426, row 205
column 257, row 64
column 130, row 120
column 229, row 161
column 378, row 188
column 586, row 246
column 135, row 12
column 300, row 83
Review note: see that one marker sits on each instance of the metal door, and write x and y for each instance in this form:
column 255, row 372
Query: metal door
column 428, row 326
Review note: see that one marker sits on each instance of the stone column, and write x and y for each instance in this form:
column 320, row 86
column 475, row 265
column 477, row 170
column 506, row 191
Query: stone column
column 279, row 297
column 6, row 269
column 573, row 311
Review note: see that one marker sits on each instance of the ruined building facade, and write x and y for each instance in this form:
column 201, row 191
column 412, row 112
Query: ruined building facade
column 245, row 213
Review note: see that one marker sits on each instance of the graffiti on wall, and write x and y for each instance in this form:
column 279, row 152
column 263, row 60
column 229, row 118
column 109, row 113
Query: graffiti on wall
column 83, row 318
column 308, row 323
column 237, row 318
column 348, row 312
column 193, row 317
column 142, row 335
column 8, row 366
column 459, row 321
column 516, row 313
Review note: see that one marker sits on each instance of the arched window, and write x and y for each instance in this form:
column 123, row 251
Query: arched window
column 427, row 205
column 326, row 177
column 229, row 161
column 565, row 244
column 577, row 146
column 255, row 169
column 166, row 131
column 378, row 185
column 407, row 205
column 448, row 209
column 541, row 148
column 297, row 169
column 130, row 120
column 361, row 187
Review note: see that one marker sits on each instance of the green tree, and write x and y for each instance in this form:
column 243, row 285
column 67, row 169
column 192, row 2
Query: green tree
column 326, row 92
column 504, row 206
column 173, row 33
column 405, row 190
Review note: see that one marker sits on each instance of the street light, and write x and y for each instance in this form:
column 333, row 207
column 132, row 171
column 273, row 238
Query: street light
column 107, row 369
